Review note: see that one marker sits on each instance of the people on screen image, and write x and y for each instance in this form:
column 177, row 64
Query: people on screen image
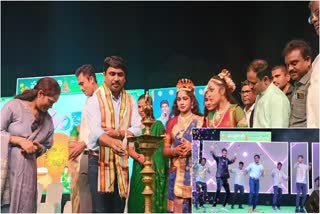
column 301, row 183
column 239, row 176
column 164, row 117
column 255, row 170
column 201, row 171
column 278, row 178
column 222, row 176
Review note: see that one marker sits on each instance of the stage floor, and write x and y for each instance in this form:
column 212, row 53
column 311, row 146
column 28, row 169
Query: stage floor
column 261, row 209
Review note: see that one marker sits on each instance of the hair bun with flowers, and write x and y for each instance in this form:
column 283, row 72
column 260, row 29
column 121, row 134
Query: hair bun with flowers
column 185, row 84
column 226, row 76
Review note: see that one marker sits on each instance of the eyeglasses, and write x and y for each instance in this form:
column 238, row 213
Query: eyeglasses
column 313, row 15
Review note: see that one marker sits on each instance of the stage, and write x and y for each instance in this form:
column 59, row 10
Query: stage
column 261, row 209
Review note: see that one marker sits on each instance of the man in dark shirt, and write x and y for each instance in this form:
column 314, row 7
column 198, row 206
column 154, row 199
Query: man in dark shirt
column 222, row 176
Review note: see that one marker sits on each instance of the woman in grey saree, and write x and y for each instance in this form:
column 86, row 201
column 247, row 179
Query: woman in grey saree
column 26, row 133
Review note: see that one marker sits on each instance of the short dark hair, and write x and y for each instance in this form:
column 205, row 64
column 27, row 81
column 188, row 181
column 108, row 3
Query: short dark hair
column 204, row 159
column 244, row 83
column 279, row 163
column 164, row 102
column 257, row 156
column 282, row 67
column 260, row 67
column 298, row 44
column 300, row 156
column 224, row 149
column 115, row 62
column 87, row 71
column 241, row 163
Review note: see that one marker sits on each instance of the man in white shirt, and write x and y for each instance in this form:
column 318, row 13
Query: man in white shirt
column 78, row 154
column 248, row 98
column 255, row 170
column 278, row 177
column 112, row 116
column 301, row 183
column 201, row 182
column 238, row 183
column 313, row 91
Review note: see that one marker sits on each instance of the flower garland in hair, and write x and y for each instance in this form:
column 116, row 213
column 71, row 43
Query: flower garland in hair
column 225, row 75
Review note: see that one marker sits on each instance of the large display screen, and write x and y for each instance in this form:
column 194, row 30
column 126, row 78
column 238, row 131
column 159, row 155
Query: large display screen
column 270, row 154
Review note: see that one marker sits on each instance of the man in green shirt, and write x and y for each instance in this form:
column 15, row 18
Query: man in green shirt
column 272, row 107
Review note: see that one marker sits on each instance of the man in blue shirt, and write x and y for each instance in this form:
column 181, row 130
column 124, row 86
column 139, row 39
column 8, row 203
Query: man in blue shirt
column 255, row 170
column 222, row 176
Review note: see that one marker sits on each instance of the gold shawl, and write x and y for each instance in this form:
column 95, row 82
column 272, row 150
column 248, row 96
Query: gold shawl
column 110, row 163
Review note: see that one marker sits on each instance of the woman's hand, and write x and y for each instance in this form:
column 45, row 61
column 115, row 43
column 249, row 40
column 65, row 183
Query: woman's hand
column 186, row 146
column 178, row 150
column 27, row 146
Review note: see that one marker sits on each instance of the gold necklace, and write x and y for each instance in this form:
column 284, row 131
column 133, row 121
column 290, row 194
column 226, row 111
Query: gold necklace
column 185, row 121
column 219, row 115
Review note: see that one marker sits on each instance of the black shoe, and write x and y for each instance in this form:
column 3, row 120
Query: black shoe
column 297, row 210
column 232, row 207
column 302, row 210
column 241, row 207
